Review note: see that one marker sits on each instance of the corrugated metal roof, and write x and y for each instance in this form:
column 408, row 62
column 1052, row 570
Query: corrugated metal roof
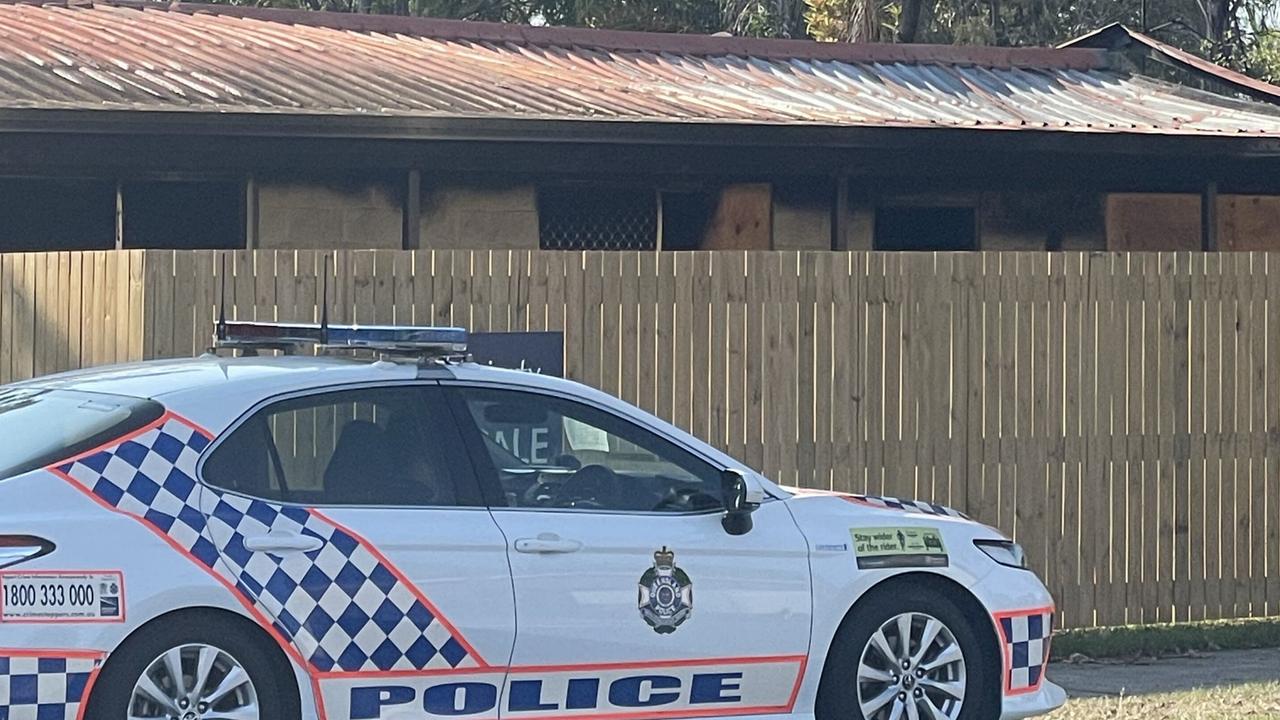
column 1116, row 36
column 201, row 58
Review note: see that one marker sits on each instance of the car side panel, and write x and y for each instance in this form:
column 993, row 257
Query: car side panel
column 1022, row 615
column 838, row 583
column 1018, row 606
column 392, row 595
column 145, row 479
column 156, row 579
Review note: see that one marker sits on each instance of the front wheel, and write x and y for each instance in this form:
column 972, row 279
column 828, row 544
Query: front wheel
column 196, row 671
column 911, row 655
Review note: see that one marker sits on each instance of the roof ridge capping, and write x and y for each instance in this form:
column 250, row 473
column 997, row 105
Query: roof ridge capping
column 623, row 40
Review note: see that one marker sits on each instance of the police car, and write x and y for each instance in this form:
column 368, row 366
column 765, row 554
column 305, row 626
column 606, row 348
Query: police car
column 253, row 536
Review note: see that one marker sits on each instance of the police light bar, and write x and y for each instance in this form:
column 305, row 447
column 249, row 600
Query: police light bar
column 390, row 338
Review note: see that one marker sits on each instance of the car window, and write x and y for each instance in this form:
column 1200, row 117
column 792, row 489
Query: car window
column 371, row 446
column 40, row 427
column 552, row 453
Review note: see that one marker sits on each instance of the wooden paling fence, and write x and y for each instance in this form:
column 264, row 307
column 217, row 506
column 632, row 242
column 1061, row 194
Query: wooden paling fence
column 1118, row 413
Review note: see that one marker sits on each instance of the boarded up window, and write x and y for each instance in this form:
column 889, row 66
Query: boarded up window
column 743, row 219
column 1163, row 222
column 1153, row 222
column 353, row 211
column 802, row 213
column 1249, row 222
column 588, row 218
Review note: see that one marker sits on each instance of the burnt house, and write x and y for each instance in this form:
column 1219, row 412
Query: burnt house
column 138, row 125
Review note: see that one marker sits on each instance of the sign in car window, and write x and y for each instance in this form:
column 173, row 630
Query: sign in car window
column 533, row 443
column 531, row 435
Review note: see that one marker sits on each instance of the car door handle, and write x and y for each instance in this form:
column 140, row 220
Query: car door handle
column 547, row 544
column 280, row 542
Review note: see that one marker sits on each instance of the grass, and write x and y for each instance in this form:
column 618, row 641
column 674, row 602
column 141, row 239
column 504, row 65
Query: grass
column 1240, row 702
column 1166, row 640
column 1253, row 701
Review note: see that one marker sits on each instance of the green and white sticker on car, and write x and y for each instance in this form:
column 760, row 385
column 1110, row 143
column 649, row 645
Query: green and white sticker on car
column 895, row 547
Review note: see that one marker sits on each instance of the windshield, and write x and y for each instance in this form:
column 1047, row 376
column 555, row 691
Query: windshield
column 40, row 427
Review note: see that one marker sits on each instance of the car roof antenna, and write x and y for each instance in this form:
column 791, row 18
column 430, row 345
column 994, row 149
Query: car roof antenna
column 220, row 329
column 324, row 304
column 222, row 297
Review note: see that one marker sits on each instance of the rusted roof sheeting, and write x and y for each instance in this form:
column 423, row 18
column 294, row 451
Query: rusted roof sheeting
column 228, row 60
column 1116, row 36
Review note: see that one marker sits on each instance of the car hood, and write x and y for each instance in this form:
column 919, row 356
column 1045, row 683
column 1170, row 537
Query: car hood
column 873, row 508
column 883, row 502
column 827, row 519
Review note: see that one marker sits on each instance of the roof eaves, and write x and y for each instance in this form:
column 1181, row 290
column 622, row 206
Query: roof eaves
column 188, row 123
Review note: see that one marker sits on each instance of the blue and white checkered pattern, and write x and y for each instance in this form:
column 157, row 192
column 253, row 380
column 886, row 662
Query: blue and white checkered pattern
column 344, row 609
column 340, row 606
column 43, row 688
column 1026, row 639
column 911, row 506
column 152, row 478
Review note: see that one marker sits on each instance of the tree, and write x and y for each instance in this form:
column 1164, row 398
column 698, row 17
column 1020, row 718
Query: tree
column 846, row 20
column 764, row 18
column 909, row 20
column 492, row 10
column 1237, row 33
column 1263, row 60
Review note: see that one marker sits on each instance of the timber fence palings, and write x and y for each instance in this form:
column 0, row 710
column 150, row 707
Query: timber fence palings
column 1119, row 414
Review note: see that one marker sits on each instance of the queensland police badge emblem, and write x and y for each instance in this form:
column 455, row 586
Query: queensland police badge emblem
column 666, row 594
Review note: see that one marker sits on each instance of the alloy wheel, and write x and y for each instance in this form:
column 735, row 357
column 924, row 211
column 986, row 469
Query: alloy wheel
column 912, row 668
column 194, row 682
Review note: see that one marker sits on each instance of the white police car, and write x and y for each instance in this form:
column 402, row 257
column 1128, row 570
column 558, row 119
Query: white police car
column 274, row 538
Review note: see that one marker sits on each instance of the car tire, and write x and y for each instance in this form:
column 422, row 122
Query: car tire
column 226, row 646
column 852, row 679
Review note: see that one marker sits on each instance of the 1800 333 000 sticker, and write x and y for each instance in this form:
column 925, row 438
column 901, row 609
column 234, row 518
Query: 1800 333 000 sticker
column 52, row 596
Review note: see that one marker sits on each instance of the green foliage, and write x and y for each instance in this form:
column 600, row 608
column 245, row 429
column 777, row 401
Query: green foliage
column 844, row 20
column 1237, row 33
column 764, row 18
column 493, row 10
column 1007, row 22
column 1263, row 59
column 657, row 15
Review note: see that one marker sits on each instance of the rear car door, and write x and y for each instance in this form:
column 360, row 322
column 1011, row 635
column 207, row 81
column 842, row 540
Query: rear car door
column 632, row 599
column 353, row 519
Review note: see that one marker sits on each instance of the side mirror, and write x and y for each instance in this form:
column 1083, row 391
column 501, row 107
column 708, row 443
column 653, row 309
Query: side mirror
column 737, row 502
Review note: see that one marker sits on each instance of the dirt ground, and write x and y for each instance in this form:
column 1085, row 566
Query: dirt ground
column 1238, row 684
column 1252, row 701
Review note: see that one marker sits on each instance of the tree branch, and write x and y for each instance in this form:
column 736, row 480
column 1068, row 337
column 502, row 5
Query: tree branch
column 1180, row 23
